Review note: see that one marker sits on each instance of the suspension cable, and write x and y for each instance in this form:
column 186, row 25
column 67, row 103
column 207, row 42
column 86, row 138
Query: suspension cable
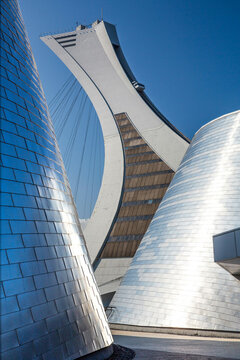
column 62, row 104
column 83, row 152
column 69, row 152
column 74, row 118
column 59, row 93
column 64, row 121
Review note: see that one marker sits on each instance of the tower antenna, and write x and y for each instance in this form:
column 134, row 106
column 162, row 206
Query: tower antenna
column 101, row 14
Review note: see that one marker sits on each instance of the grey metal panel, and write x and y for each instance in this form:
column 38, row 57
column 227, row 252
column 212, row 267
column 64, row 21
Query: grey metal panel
column 226, row 251
column 173, row 280
column 237, row 237
column 39, row 223
column 224, row 246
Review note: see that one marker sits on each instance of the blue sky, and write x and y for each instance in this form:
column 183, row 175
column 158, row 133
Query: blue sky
column 186, row 52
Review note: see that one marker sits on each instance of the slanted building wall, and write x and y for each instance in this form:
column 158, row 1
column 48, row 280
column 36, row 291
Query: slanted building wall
column 173, row 281
column 50, row 304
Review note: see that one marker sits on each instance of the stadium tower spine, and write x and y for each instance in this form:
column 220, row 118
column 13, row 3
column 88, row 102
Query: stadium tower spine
column 142, row 148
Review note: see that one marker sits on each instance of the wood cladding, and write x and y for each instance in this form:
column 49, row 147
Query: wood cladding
column 147, row 178
column 122, row 248
column 138, row 210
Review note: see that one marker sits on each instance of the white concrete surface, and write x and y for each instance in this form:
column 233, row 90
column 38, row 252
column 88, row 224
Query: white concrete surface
column 110, row 272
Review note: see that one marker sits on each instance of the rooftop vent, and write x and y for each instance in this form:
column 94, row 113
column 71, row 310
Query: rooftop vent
column 139, row 87
column 95, row 23
column 80, row 27
column 67, row 40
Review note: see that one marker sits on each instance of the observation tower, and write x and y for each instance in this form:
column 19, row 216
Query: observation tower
column 142, row 148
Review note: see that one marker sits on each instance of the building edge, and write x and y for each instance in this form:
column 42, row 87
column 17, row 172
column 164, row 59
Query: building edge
column 176, row 331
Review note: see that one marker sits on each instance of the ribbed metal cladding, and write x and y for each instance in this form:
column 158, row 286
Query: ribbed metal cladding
column 50, row 304
column 173, row 280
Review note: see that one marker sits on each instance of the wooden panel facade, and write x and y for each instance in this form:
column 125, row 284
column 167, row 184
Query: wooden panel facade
column 147, row 178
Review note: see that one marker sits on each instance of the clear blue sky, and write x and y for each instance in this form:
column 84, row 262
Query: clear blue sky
column 186, row 52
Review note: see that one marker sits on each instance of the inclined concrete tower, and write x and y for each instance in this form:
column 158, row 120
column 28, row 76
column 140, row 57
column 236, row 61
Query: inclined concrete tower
column 142, row 148
column 50, row 305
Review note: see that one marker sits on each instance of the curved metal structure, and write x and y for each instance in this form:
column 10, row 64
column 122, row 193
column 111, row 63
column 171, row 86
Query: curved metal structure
column 50, row 304
column 173, row 281
column 131, row 126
